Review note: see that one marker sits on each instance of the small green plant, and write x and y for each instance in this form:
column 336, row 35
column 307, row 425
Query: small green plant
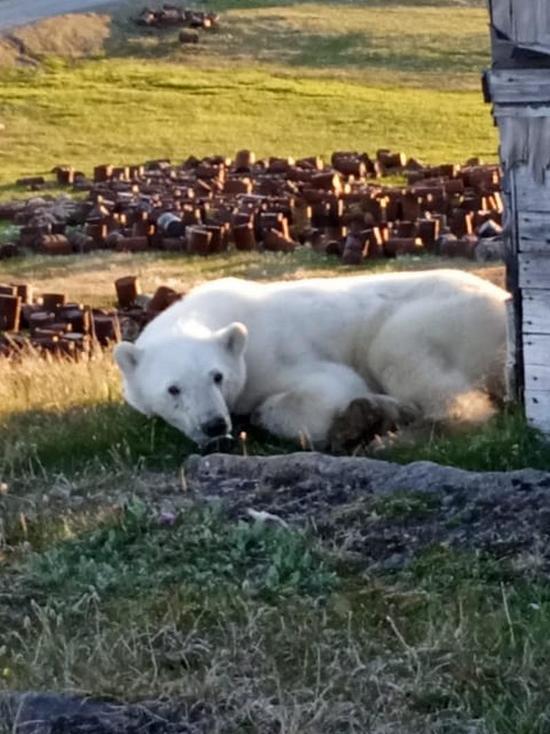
column 406, row 505
column 137, row 553
column 8, row 232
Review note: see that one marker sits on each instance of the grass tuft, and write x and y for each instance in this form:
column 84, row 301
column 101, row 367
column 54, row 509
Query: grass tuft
column 505, row 443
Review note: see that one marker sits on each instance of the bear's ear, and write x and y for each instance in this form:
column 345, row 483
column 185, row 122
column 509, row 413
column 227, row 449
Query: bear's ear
column 126, row 356
column 233, row 337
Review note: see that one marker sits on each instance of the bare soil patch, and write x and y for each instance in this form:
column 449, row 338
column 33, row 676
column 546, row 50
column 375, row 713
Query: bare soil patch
column 71, row 36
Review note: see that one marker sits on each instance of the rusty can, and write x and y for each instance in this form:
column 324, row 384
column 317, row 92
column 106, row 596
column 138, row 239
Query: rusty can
column 218, row 241
column 162, row 299
column 53, row 301
column 238, row 186
column 105, row 328
column 55, row 244
column 103, row 173
column 244, row 160
column 24, row 291
column 127, row 290
column 428, row 231
column 198, row 240
column 274, row 241
column 10, row 312
column 243, row 236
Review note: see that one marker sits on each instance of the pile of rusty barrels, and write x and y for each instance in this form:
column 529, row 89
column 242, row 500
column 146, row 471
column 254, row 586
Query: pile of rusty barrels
column 175, row 16
column 212, row 205
column 51, row 325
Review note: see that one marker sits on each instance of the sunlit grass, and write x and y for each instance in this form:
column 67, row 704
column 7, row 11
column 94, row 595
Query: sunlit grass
column 128, row 112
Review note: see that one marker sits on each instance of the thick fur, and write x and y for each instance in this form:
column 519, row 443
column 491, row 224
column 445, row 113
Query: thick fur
column 294, row 355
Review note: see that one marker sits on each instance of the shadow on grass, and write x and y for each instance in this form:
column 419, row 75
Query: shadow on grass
column 106, row 435
column 220, row 5
column 112, row 434
column 282, row 38
column 361, row 50
column 282, row 44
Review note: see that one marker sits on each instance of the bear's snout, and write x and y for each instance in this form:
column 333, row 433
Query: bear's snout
column 215, row 427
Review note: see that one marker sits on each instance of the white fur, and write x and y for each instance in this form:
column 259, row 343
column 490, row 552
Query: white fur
column 434, row 341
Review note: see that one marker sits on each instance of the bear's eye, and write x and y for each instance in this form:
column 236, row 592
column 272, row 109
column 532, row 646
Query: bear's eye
column 218, row 378
column 174, row 390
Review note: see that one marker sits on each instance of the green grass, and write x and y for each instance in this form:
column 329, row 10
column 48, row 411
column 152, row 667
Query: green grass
column 505, row 443
column 373, row 42
column 129, row 112
column 198, row 550
column 69, row 417
column 286, row 78
column 268, row 630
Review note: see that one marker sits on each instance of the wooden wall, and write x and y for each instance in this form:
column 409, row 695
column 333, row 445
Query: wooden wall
column 521, row 106
column 533, row 256
column 524, row 22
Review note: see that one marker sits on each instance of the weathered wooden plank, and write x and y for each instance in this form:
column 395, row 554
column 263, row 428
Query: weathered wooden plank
column 519, row 86
column 525, row 19
column 536, row 356
column 536, row 311
column 537, row 378
column 527, row 110
column 536, row 350
column 501, row 16
column 534, row 231
column 537, row 409
column 534, row 270
column 512, row 392
column 543, row 26
column 514, row 372
column 531, row 196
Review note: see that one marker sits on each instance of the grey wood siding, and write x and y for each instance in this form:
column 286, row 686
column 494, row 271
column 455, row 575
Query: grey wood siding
column 525, row 22
column 520, row 93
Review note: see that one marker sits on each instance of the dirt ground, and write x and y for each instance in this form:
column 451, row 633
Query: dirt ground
column 71, row 36
column 17, row 13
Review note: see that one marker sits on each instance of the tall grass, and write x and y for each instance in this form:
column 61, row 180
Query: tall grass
column 63, row 416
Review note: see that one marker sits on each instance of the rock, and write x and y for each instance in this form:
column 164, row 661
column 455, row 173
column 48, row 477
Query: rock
column 382, row 511
column 188, row 36
column 51, row 713
column 489, row 249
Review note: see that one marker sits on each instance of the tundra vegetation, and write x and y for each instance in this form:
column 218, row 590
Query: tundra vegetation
column 104, row 591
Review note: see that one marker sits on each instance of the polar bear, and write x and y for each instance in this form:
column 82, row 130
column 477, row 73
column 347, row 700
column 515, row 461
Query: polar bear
column 417, row 346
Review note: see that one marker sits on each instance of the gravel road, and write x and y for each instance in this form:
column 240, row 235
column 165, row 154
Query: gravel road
column 19, row 12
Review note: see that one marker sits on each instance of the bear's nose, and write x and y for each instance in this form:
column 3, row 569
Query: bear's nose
column 215, row 427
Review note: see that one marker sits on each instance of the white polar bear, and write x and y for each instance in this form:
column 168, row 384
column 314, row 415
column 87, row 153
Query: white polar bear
column 295, row 355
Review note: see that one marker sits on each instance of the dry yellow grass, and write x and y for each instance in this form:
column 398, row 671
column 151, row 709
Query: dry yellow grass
column 35, row 383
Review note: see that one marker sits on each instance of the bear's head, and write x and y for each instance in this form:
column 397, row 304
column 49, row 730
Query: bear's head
column 190, row 379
